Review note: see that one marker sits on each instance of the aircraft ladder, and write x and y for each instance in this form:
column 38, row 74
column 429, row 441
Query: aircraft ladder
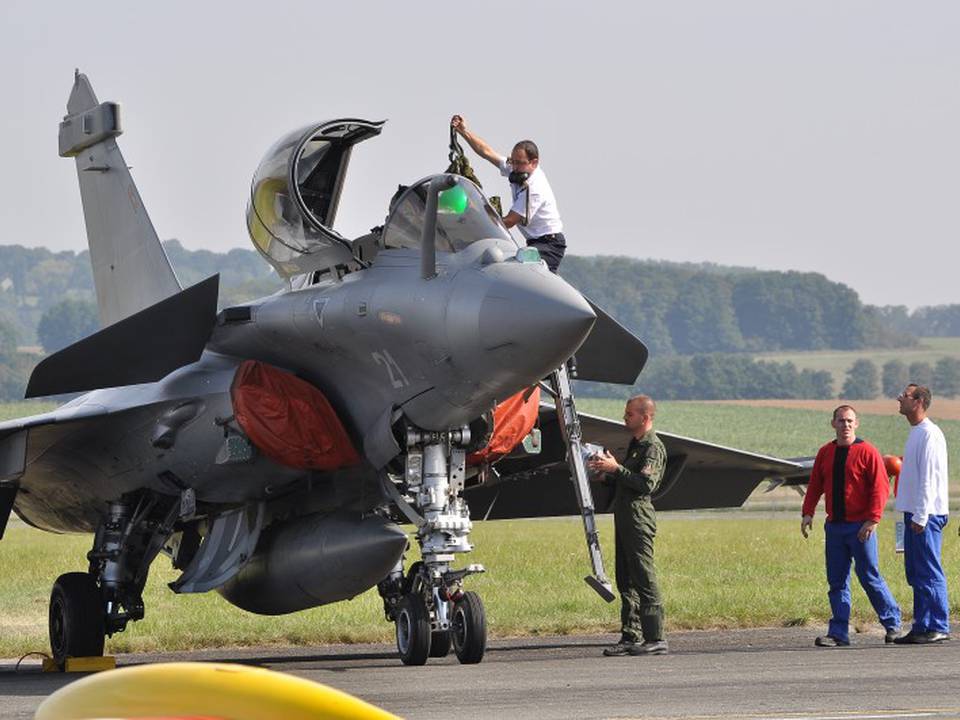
column 569, row 423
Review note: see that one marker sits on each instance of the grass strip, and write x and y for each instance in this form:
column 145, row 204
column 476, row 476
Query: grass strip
column 716, row 570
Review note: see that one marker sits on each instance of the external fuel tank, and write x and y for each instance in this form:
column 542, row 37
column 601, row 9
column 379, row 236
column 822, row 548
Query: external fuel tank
column 315, row 560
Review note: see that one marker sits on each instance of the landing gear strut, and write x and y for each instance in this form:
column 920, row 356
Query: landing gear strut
column 428, row 605
column 85, row 607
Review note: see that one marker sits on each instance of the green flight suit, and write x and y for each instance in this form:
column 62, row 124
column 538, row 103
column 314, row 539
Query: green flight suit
column 635, row 521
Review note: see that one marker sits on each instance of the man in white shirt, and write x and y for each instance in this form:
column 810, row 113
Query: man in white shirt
column 534, row 209
column 922, row 497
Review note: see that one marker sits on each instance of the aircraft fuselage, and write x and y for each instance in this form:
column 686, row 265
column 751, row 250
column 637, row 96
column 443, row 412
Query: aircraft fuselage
column 440, row 351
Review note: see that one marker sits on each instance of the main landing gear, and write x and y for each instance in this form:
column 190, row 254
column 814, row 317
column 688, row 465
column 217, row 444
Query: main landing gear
column 85, row 607
column 428, row 605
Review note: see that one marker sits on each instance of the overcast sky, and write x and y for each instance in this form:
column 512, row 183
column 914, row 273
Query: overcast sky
column 815, row 136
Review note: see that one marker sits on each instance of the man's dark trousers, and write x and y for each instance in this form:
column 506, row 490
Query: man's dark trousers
column 641, row 611
column 842, row 546
column 551, row 249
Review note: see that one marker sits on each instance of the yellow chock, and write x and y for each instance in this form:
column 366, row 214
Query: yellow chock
column 81, row 664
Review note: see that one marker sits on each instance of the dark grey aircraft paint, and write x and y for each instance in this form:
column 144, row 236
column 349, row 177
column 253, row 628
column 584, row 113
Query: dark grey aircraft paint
column 413, row 333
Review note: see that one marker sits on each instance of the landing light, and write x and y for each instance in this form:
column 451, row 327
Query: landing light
column 528, row 255
column 453, row 201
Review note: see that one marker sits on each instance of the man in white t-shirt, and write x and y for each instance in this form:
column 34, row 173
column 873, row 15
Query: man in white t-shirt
column 922, row 497
column 534, row 209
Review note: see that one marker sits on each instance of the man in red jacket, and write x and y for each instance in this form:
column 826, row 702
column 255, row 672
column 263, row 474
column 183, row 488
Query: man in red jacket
column 850, row 472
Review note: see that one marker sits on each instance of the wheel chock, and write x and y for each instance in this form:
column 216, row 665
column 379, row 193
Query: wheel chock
column 81, row 664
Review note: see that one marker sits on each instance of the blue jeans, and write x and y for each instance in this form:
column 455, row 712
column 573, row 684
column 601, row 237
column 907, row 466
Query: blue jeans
column 921, row 560
column 842, row 546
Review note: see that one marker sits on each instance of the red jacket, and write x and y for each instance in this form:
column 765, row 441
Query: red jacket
column 866, row 485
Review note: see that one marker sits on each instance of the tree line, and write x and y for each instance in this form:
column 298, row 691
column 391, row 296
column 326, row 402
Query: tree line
column 935, row 321
column 865, row 381
column 676, row 308
column 718, row 376
column 700, row 321
column 688, row 308
column 33, row 281
column 682, row 308
column 47, row 299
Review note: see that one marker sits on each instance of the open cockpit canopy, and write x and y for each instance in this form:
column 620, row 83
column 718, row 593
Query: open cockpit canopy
column 463, row 216
column 295, row 194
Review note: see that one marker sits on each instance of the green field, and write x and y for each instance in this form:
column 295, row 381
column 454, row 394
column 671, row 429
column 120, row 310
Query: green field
column 838, row 362
column 740, row 570
column 731, row 569
column 8, row 411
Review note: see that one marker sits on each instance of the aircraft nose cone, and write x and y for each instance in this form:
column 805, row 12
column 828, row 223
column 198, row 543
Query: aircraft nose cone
column 532, row 322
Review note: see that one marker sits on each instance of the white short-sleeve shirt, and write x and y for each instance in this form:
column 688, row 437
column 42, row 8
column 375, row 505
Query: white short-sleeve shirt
column 535, row 203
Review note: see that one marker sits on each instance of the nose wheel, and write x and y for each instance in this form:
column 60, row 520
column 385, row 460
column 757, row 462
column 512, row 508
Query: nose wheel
column 413, row 629
column 469, row 629
column 417, row 641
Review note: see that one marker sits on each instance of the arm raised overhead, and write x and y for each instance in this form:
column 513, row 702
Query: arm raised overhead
column 479, row 145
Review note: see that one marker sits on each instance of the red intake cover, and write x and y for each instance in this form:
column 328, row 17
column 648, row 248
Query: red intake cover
column 513, row 419
column 288, row 419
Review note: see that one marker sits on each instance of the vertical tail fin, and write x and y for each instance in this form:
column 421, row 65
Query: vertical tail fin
column 131, row 271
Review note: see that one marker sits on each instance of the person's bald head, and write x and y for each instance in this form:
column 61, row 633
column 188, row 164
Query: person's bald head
column 644, row 403
column 638, row 414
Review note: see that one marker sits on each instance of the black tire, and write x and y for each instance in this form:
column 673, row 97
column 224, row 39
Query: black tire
column 440, row 643
column 76, row 618
column 413, row 630
column 469, row 629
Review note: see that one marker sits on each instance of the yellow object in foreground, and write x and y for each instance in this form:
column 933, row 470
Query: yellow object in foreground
column 211, row 690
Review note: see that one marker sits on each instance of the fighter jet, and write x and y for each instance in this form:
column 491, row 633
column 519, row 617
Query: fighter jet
column 274, row 449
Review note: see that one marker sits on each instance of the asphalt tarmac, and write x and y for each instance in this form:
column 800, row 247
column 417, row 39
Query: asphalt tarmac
column 768, row 674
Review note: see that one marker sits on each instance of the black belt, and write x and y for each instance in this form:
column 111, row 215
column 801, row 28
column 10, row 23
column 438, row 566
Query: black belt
column 547, row 238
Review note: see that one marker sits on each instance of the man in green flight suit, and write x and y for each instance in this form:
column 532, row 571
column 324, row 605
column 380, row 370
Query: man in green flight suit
column 636, row 479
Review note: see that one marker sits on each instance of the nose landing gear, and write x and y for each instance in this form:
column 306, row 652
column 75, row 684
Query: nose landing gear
column 428, row 606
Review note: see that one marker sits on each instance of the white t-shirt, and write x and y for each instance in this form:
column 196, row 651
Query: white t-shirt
column 535, row 203
column 922, row 489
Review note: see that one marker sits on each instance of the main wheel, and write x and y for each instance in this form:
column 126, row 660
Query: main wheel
column 413, row 629
column 440, row 643
column 469, row 629
column 76, row 617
